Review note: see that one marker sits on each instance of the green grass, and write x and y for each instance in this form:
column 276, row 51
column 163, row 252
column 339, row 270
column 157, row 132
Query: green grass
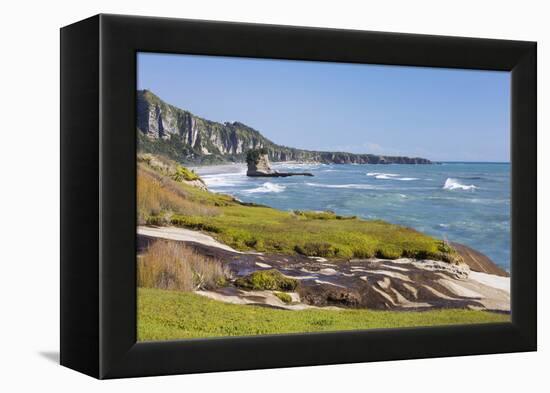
column 170, row 315
column 261, row 228
column 269, row 230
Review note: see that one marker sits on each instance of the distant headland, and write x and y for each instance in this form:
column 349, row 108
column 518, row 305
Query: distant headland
column 186, row 138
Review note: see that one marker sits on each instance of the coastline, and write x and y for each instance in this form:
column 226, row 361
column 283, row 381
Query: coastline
column 353, row 273
column 371, row 283
column 459, row 202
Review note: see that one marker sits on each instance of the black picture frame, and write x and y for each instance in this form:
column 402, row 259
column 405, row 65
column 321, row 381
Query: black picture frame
column 98, row 195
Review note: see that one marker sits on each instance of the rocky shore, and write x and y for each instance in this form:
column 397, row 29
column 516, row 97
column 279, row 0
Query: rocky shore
column 380, row 284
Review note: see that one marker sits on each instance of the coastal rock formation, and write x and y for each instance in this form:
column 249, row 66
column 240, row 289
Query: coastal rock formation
column 380, row 284
column 259, row 166
column 184, row 137
column 477, row 261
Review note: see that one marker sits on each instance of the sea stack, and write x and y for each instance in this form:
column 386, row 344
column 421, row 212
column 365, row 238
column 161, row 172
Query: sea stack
column 259, row 166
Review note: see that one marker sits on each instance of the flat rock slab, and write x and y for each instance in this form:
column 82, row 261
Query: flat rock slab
column 278, row 174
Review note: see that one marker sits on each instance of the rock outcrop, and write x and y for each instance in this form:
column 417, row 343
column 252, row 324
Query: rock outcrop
column 184, row 137
column 259, row 166
column 378, row 284
column 478, row 262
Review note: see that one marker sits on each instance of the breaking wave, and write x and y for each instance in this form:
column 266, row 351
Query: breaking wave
column 389, row 176
column 453, row 184
column 267, row 187
column 354, row 186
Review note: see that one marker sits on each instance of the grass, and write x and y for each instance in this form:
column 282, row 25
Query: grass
column 171, row 315
column 163, row 201
column 158, row 197
column 271, row 279
column 171, row 265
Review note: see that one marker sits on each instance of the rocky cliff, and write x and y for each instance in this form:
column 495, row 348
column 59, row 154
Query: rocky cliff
column 179, row 134
column 259, row 166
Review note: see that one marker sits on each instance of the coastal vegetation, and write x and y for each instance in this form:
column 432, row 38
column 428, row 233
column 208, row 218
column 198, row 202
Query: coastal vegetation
column 284, row 297
column 170, row 272
column 171, row 315
column 172, row 265
column 267, row 280
column 246, row 227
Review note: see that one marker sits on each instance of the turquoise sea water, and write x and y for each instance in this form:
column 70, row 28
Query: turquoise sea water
column 467, row 203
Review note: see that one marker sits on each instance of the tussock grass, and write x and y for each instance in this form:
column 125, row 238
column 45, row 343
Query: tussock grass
column 159, row 197
column 171, row 315
column 172, row 265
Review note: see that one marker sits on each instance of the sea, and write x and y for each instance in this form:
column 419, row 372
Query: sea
column 462, row 202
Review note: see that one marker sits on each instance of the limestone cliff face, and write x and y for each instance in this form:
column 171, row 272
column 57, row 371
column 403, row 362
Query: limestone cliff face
column 175, row 132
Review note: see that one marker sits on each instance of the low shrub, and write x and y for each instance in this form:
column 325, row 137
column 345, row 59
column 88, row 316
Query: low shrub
column 174, row 266
column 272, row 280
column 193, row 223
column 388, row 252
column 181, row 173
column 284, row 297
column 325, row 250
column 363, row 253
column 321, row 215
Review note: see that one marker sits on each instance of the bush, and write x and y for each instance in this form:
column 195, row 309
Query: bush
column 158, row 220
column 321, row 215
column 272, row 280
column 284, row 297
column 325, row 250
column 174, row 266
column 388, row 252
column 181, row 173
column 193, row 223
column 363, row 253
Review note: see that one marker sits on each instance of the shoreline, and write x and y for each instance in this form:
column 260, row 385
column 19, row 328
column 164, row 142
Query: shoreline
column 280, row 195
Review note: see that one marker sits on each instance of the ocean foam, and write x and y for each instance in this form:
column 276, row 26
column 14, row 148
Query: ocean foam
column 453, row 184
column 382, row 175
column 224, row 179
column 389, row 176
column 267, row 187
column 354, row 186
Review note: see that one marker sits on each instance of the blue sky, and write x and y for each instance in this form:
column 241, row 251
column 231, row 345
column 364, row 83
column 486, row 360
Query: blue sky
column 440, row 114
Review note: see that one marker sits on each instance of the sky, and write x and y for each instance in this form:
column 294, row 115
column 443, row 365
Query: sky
column 436, row 113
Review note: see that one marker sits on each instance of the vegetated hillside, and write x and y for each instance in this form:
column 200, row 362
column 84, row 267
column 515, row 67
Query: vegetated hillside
column 179, row 134
column 162, row 200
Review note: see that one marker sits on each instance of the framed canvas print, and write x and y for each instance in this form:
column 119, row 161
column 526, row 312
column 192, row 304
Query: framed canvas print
column 298, row 196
